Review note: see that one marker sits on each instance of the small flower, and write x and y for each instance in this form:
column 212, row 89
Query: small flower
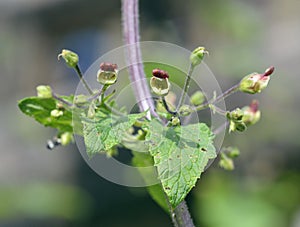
column 197, row 98
column 159, row 82
column 70, row 57
column 255, row 82
column 197, row 56
column 44, row 91
column 107, row 74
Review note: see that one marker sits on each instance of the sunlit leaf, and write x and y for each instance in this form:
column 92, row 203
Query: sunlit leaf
column 180, row 155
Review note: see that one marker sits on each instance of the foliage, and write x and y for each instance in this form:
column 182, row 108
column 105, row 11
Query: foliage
column 178, row 152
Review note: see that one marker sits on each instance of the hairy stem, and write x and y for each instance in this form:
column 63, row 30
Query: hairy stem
column 142, row 93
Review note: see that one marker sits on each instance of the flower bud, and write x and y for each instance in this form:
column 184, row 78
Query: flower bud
column 251, row 113
column 236, row 120
column 175, row 121
column 66, row 138
column 80, row 100
column 159, row 82
column 70, row 57
column 107, row 74
column 56, row 113
column 185, row 110
column 255, row 82
column 233, row 152
column 235, row 115
column 197, row 98
column 226, row 162
column 44, row 91
column 197, row 56
column 91, row 111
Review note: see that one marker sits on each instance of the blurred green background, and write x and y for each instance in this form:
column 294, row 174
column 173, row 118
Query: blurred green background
column 56, row 188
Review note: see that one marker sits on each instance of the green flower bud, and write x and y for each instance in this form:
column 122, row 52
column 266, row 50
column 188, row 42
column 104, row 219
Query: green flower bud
column 107, row 74
column 185, row 110
column 226, row 162
column 236, row 120
column 197, row 98
column 70, row 57
column 235, row 115
column 233, row 152
column 197, row 56
column 66, row 138
column 44, row 91
column 80, row 100
column 159, row 82
column 56, row 113
column 255, row 82
column 91, row 111
column 175, row 121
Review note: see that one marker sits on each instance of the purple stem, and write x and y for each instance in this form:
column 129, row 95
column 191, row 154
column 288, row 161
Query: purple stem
column 134, row 56
column 180, row 216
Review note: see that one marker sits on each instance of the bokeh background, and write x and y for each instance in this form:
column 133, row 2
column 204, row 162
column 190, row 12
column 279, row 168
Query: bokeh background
column 57, row 188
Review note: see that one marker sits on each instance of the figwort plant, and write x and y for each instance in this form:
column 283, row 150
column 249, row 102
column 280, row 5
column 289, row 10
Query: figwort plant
column 168, row 143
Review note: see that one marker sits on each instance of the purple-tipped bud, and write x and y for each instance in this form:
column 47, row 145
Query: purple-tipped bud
column 255, row 82
column 159, row 82
column 160, row 73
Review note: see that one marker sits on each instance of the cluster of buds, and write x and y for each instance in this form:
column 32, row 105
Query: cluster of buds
column 255, row 82
column 240, row 119
column 159, row 82
column 107, row 74
column 70, row 57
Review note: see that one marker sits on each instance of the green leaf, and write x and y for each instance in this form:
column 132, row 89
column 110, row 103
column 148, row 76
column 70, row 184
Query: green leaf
column 180, row 155
column 106, row 131
column 144, row 159
column 40, row 109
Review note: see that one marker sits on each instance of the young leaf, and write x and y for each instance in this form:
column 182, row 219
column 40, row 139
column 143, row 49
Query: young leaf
column 104, row 132
column 40, row 109
column 180, row 155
